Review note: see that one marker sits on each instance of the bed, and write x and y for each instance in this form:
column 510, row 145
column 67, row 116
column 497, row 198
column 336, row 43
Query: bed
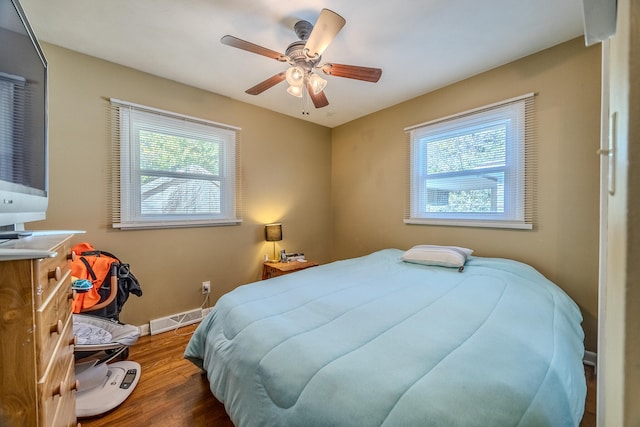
column 377, row 341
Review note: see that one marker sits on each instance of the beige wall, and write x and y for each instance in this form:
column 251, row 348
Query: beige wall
column 348, row 195
column 286, row 164
column 369, row 182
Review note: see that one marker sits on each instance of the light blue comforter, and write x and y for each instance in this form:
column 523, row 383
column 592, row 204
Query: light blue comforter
column 376, row 341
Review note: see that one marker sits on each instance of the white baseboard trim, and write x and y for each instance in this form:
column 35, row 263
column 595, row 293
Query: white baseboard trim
column 144, row 329
column 590, row 358
column 173, row 322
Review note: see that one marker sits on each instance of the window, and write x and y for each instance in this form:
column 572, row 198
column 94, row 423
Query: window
column 171, row 170
column 474, row 168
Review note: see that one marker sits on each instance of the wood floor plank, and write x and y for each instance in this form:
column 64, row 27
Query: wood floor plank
column 172, row 392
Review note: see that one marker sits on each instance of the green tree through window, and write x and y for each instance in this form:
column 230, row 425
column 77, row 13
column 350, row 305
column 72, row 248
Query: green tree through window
column 174, row 170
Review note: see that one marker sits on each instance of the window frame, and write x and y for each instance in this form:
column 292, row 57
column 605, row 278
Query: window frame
column 127, row 210
column 518, row 167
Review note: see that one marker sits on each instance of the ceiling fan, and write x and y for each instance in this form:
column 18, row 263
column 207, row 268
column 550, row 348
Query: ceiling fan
column 304, row 57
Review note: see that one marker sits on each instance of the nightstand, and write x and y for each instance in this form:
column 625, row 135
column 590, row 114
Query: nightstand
column 274, row 269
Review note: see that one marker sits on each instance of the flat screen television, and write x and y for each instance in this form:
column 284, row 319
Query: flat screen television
column 24, row 183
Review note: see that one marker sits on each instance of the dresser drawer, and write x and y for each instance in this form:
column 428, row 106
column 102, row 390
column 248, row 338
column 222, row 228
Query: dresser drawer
column 57, row 385
column 37, row 361
column 66, row 409
column 49, row 272
column 54, row 328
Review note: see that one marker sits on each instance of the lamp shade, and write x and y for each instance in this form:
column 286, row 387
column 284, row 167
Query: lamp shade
column 295, row 91
column 295, row 76
column 317, row 83
column 273, row 232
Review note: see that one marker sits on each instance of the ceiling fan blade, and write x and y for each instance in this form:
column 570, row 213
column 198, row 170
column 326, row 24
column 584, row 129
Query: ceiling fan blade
column 253, row 48
column 267, row 84
column 326, row 28
column 319, row 99
column 353, row 72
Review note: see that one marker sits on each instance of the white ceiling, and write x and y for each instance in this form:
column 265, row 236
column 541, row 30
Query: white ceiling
column 421, row 45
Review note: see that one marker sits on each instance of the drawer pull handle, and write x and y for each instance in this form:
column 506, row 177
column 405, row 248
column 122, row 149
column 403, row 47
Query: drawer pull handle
column 59, row 390
column 55, row 274
column 73, row 341
column 71, row 296
column 57, row 328
column 72, row 256
column 64, row 388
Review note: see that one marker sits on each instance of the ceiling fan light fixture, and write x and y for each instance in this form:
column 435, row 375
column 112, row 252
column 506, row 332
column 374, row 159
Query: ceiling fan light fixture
column 303, row 57
column 295, row 76
column 295, row 91
column 317, row 83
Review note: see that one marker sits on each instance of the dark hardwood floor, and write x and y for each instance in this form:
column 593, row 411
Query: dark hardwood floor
column 589, row 419
column 173, row 393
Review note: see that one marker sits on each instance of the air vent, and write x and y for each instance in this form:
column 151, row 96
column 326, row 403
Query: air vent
column 175, row 321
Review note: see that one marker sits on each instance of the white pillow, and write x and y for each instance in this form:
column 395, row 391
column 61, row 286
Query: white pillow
column 443, row 256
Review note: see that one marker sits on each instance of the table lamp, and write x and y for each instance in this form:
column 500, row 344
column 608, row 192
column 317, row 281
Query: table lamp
column 273, row 233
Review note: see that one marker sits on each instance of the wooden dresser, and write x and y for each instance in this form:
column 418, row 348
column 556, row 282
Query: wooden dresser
column 37, row 385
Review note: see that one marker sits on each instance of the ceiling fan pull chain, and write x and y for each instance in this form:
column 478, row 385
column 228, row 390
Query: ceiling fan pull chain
column 305, row 103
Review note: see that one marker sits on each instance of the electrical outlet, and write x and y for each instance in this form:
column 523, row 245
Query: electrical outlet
column 206, row 287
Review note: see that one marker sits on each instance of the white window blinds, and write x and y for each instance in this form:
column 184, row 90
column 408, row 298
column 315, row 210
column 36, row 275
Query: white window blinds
column 475, row 168
column 171, row 170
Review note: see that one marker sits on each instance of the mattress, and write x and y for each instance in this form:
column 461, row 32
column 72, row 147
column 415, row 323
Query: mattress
column 375, row 341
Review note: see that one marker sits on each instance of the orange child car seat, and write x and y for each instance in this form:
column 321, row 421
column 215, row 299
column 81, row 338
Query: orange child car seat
column 95, row 266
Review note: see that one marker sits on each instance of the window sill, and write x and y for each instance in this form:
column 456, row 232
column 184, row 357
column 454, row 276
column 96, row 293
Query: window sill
column 470, row 223
column 185, row 224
